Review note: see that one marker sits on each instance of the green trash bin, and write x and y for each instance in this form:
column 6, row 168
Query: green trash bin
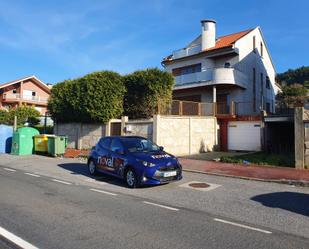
column 57, row 145
column 22, row 141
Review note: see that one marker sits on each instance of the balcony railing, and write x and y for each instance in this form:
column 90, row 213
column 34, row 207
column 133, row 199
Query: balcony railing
column 214, row 76
column 186, row 51
column 17, row 97
column 190, row 108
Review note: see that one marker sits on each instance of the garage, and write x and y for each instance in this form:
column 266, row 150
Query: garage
column 244, row 135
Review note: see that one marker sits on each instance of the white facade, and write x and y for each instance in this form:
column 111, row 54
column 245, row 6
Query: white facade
column 230, row 69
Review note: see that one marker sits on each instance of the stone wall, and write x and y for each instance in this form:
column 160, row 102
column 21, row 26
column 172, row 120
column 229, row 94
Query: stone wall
column 81, row 136
column 301, row 123
column 306, row 127
column 143, row 128
column 179, row 135
column 185, row 135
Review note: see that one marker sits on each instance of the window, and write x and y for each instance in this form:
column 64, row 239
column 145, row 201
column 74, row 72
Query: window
column 187, row 69
column 254, row 90
column 227, row 64
column 14, row 91
column 116, row 145
column 253, row 44
column 267, row 82
column 261, row 49
column 104, row 143
column 262, row 91
column 33, row 93
column 135, row 144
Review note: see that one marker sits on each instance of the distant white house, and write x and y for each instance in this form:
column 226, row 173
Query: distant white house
column 232, row 69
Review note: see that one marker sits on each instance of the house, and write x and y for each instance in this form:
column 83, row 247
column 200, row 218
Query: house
column 235, row 72
column 26, row 91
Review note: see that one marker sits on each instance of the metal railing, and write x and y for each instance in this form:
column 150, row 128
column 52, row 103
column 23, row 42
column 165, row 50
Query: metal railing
column 190, row 108
column 186, row 108
column 16, row 96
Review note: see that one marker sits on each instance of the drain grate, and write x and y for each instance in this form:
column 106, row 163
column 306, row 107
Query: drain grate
column 199, row 185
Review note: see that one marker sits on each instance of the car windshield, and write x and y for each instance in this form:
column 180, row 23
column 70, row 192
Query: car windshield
column 139, row 145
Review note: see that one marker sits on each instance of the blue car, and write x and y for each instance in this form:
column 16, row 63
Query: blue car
column 135, row 159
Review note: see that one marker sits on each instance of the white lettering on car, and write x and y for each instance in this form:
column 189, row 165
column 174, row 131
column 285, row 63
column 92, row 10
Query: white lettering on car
column 160, row 156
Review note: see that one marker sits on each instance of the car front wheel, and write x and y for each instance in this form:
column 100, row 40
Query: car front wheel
column 92, row 167
column 131, row 178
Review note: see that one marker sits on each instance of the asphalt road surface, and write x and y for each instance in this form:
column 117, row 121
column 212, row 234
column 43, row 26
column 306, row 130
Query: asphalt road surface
column 60, row 206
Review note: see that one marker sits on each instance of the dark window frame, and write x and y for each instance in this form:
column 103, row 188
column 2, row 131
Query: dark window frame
column 267, row 82
column 254, row 89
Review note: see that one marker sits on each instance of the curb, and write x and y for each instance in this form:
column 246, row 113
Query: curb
column 300, row 183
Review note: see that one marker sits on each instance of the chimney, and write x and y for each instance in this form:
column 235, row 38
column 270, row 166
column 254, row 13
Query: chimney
column 208, row 34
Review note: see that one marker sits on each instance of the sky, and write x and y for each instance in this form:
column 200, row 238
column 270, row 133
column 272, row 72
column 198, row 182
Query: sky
column 59, row 40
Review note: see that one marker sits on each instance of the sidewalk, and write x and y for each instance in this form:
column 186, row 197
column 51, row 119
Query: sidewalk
column 250, row 172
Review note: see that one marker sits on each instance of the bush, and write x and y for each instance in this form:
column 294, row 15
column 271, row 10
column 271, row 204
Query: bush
column 4, row 115
column 24, row 114
column 145, row 89
column 292, row 96
column 96, row 97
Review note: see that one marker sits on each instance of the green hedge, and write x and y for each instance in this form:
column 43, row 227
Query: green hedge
column 96, row 97
column 145, row 88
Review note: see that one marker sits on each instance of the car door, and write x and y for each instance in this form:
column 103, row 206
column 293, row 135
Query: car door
column 117, row 156
column 103, row 154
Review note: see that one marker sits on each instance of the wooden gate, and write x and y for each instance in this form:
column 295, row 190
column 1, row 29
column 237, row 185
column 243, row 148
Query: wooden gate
column 115, row 129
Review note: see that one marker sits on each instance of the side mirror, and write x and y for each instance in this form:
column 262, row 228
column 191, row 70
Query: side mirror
column 161, row 148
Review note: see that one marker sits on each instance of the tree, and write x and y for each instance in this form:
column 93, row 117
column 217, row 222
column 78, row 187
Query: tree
column 23, row 113
column 299, row 75
column 145, row 89
column 292, row 96
column 96, row 97
column 3, row 116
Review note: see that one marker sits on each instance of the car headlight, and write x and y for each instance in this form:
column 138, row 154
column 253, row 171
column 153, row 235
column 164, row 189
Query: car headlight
column 147, row 164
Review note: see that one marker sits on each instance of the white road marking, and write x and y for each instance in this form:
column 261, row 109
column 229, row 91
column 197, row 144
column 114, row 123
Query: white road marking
column 30, row 174
column 67, row 183
column 102, row 191
column 243, row 226
column 8, row 169
column 16, row 240
column 162, row 206
column 96, row 181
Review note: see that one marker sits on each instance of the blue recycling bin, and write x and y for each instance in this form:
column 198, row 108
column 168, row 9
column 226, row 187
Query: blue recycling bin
column 6, row 133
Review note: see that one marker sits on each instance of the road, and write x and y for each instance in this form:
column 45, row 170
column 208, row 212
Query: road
column 53, row 203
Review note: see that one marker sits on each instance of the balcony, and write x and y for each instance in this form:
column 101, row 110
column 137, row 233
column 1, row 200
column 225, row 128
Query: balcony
column 180, row 53
column 7, row 97
column 213, row 76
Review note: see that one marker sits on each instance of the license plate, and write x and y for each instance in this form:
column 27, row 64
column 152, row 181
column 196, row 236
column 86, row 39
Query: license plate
column 169, row 174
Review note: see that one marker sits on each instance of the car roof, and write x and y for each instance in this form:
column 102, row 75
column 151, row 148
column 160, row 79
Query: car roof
column 121, row 137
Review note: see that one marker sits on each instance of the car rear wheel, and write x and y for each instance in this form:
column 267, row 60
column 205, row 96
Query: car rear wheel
column 131, row 178
column 92, row 167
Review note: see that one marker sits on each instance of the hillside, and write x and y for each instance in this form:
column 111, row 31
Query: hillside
column 299, row 75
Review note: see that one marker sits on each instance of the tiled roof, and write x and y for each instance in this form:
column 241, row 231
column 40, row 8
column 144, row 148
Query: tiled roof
column 221, row 42
column 23, row 79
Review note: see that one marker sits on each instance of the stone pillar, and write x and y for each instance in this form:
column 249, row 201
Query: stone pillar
column 214, row 99
column 124, row 120
column 79, row 141
column 108, row 128
column 299, row 138
column 155, row 133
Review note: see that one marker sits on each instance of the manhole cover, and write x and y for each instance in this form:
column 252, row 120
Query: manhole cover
column 199, row 185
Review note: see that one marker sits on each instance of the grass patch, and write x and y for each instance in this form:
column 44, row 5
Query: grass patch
column 262, row 158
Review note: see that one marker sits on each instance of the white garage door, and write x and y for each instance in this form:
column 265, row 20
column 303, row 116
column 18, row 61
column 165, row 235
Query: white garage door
column 244, row 135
